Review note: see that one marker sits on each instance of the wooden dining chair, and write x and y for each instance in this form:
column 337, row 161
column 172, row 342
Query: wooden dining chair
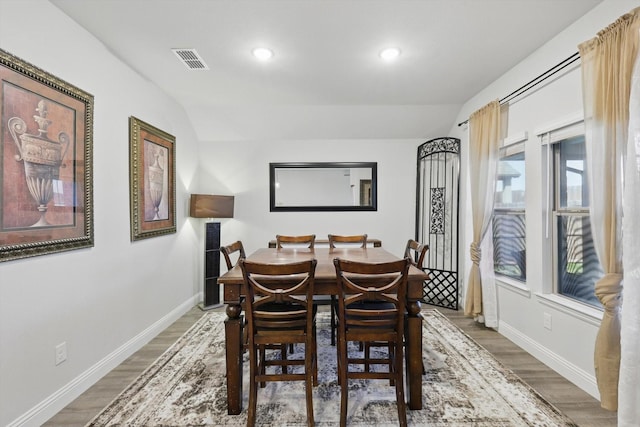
column 371, row 308
column 353, row 241
column 335, row 241
column 232, row 250
column 279, row 316
column 304, row 241
column 416, row 252
column 236, row 250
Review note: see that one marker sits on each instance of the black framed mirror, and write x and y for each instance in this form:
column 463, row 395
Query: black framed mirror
column 331, row 186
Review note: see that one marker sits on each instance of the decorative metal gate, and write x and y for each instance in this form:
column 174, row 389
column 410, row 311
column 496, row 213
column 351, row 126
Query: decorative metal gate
column 437, row 205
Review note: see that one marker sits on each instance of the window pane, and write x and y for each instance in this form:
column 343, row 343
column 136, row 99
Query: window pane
column 572, row 181
column 578, row 265
column 510, row 182
column 509, row 244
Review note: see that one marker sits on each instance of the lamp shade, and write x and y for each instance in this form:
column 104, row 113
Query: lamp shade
column 211, row 206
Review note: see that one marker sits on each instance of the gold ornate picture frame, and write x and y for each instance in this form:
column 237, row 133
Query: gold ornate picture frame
column 46, row 162
column 153, row 180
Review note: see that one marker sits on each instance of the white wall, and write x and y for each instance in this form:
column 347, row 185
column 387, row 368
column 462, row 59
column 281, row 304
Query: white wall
column 568, row 347
column 105, row 301
column 241, row 168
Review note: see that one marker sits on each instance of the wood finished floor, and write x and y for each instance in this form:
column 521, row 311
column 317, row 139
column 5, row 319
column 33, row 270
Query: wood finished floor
column 575, row 403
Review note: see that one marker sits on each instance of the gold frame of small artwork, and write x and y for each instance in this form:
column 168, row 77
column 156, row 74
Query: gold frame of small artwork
column 152, row 180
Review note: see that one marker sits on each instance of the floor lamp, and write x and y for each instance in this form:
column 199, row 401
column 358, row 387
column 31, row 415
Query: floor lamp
column 211, row 206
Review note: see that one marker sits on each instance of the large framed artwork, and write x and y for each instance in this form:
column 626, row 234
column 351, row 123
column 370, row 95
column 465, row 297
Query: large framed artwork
column 46, row 155
column 153, row 180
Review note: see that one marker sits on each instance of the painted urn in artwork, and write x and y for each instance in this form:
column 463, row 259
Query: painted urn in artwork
column 42, row 157
column 156, row 183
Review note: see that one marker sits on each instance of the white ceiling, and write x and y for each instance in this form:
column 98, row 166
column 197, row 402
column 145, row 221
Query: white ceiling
column 326, row 79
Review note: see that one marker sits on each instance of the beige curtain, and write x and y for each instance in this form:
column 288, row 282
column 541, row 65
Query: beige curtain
column 485, row 133
column 607, row 65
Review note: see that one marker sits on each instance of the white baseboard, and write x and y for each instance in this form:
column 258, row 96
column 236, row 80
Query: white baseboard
column 571, row 372
column 50, row 406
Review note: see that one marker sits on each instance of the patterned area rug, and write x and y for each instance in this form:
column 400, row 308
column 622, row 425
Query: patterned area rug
column 463, row 386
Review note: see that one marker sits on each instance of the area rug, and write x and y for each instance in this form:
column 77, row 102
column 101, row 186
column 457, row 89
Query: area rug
column 463, row 386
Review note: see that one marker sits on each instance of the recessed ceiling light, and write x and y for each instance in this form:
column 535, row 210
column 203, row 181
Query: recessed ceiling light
column 262, row 53
column 389, row 54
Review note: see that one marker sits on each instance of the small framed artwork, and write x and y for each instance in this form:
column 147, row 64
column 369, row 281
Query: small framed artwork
column 46, row 155
column 153, row 180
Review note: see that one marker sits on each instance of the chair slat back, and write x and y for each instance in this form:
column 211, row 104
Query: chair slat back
column 279, row 296
column 372, row 295
column 307, row 241
column 229, row 251
column 358, row 240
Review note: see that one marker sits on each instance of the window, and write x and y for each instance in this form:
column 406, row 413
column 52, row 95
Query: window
column 577, row 267
column 509, row 234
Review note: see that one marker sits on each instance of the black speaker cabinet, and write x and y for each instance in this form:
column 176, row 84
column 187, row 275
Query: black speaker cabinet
column 211, row 265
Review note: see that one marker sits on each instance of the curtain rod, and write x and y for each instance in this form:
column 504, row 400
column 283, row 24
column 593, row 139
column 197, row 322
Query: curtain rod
column 536, row 81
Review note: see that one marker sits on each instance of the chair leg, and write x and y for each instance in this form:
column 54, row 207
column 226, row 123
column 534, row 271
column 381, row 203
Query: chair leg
column 262, row 365
column 308, row 387
column 334, row 304
column 400, row 401
column 343, row 367
column 253, row 388
column 245, row 338
column 339, row 362
column 283, row 356
column 392, row 356
column 315, row 357
column 367, row 355
column 311, row 372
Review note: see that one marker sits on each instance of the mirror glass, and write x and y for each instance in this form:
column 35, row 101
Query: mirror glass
column 323, row 186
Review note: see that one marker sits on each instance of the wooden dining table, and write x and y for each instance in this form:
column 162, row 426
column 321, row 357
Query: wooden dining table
column 325, row 284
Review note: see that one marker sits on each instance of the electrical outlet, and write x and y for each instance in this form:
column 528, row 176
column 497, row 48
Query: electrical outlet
column 547, row 321
column 61, row 353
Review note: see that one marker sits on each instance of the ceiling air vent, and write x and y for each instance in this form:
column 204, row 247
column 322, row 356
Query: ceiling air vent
column 190, row 59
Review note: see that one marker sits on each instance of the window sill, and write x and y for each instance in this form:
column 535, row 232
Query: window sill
column 513, row 285
column 578, row 310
